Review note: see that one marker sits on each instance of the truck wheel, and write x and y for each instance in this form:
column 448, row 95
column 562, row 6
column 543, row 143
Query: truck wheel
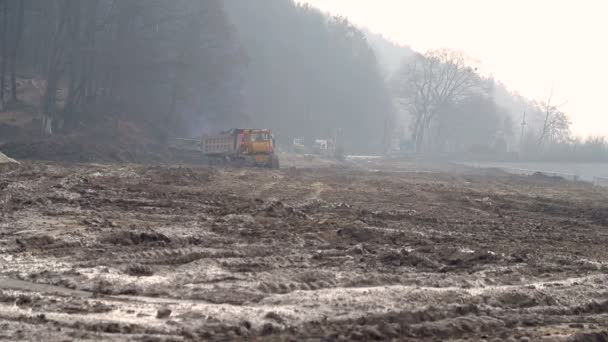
column 240, row 163
column 275, row 163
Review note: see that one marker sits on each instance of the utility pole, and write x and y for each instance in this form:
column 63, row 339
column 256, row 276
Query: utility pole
column 523, row 129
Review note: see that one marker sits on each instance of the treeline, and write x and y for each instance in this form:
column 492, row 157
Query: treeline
column 169, row 64
column 590, row 149
column 450, row 107
column 187, row 67
column 542, row 131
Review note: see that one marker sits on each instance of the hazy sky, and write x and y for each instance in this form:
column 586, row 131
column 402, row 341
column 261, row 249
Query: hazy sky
column 530, row 45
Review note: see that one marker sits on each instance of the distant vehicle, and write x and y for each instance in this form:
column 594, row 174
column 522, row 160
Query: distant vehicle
column 298, row 146
column 324, row 147
column 239, row 146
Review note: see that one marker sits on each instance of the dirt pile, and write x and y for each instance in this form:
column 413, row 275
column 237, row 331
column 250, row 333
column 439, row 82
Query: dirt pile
column 6, row 160
column 125, row 143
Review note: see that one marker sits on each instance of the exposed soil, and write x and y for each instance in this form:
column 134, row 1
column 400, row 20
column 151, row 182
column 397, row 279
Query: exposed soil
column 365, row 250
column 108, row 142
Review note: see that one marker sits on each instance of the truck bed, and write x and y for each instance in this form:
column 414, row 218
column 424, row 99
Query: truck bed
column 218, row 144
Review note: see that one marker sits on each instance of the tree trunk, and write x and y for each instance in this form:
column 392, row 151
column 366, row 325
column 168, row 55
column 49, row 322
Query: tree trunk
column 420, row 132
column 54, row 71
column 416, row 133
column 428, row 134
column 4, row 38
column 74, row 61
column 88, row 74
column 17, row 32
column 117, row 84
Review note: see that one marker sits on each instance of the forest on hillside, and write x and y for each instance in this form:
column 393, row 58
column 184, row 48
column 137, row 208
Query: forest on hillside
column 139, row 72
column 153, row 61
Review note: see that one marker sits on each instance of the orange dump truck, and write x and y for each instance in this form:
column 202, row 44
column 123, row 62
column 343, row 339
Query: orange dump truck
column 239, row 146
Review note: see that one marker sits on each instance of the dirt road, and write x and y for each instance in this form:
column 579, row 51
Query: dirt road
column 116, row 252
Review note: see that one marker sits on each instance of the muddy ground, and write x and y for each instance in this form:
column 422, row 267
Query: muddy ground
column 362, row 250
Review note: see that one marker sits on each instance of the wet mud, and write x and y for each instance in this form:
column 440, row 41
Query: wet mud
column 333, row 253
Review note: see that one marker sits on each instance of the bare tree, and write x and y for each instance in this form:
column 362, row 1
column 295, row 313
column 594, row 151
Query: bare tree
column 555, row 125
column 548, row 110
column 558, row 128
column 429, row 83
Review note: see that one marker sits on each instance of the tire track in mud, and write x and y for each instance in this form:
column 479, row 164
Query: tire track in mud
column 179, row 256
column 306, row 306
column 15, row 284
column 592, row 281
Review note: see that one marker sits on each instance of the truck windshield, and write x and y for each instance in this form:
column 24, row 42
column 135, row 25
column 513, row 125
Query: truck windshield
column 260, row 137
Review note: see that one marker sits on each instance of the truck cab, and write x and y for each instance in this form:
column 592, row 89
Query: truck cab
column 258, row 144
column 254, row 141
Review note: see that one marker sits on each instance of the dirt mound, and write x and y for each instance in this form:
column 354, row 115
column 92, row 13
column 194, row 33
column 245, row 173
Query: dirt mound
column 280, row 209
column 78, row 149
column 135, row 238
column 590, row 337
column 462, row 258
column 519, row 299
column 63, row 148
column 139, row 270
column 106, row 142
column 405, row 258
column 6, row 160
column 543, row 177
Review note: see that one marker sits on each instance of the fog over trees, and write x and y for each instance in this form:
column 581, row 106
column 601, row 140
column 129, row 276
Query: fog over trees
column 311, row 75
column 183, row 68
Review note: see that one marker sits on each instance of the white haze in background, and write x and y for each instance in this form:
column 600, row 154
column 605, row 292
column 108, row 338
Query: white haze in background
column 532, row 46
